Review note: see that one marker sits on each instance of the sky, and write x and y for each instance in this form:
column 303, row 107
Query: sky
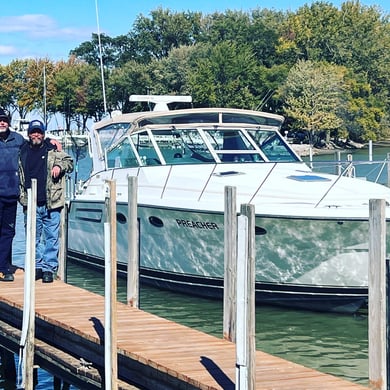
column 50, row 29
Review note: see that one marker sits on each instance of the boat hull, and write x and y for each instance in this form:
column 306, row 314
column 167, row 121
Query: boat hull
column 309, row 264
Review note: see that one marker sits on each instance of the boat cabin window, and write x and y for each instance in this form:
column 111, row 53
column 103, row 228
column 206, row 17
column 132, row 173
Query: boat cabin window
column 122, row 156
column 273, row 146
column 228, row 117
column 198, row 145
column 182, row 146
column 232, row 146
column 145, row 148
column 108, row 135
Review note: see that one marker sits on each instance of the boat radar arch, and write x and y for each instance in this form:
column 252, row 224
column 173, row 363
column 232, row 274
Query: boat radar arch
column 161, row 101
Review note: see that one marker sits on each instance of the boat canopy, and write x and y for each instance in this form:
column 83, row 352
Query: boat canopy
column 193, row 137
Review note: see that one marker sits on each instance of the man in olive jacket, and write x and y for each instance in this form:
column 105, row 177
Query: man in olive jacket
column 42, row 161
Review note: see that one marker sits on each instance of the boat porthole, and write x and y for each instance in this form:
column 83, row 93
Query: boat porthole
column 340, row 222
column 157, row 222
column 259, row 231
column 121, row 218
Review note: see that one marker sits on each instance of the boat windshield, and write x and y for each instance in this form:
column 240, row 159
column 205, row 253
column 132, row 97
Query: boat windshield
column 197, row 145
column 108, row 135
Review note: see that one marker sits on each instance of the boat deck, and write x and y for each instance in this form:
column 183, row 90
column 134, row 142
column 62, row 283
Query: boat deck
column 153, row 352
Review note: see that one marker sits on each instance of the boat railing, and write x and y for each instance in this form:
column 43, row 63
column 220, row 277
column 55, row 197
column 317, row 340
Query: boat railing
column 374, row 171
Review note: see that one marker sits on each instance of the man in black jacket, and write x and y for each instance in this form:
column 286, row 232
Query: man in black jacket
column 10, row 144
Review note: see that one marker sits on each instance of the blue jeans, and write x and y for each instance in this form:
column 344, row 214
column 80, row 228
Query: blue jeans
column 47, row 239
column 7, row 232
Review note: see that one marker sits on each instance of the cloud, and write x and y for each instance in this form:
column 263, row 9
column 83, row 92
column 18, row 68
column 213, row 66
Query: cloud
column 7, row 50
column 40, row 26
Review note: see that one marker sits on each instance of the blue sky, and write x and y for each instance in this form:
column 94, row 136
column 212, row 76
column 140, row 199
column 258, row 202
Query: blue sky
column 47, row 28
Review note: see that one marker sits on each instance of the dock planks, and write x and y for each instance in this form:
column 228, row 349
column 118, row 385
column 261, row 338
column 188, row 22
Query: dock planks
column 153, row 352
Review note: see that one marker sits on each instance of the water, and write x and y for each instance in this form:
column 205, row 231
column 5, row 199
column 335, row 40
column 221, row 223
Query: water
column 331, row 343
column 374, row 170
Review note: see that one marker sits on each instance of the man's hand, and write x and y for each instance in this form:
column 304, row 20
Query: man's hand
column 56, row 171
column 56, row 143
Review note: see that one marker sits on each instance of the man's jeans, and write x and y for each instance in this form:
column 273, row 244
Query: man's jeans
column 47, row 239
column 7, row 232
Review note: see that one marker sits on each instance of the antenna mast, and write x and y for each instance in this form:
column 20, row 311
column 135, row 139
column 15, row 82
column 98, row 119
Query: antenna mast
column 44, row 96
column 101, row 58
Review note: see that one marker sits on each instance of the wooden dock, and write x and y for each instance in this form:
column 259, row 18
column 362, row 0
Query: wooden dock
column 153, row 353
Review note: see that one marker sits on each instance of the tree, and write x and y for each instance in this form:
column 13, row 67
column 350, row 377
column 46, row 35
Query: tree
column 313, row 95
column 154, row 38
column 78, row 92
column 131, row 78
column 223, row 75
column 111, row 49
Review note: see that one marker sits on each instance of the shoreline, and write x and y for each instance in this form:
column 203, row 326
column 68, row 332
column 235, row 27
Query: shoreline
column 303, row 150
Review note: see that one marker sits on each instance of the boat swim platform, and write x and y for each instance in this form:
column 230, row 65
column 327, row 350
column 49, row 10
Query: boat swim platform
column 153, row 353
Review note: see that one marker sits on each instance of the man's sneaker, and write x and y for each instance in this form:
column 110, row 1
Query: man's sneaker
column 6, row 277
column 47, row 277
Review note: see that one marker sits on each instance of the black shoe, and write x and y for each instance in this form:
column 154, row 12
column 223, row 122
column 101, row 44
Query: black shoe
column 38, row 273
column 6, row 277
column 47, row 277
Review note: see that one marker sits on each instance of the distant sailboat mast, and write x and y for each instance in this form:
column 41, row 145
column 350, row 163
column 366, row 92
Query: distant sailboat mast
column 44, row 97
column 101, row 58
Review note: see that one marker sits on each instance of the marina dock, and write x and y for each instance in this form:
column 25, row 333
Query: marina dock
column 153, row 353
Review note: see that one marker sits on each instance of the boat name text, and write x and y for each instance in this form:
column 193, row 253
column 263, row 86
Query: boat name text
column 197, row 224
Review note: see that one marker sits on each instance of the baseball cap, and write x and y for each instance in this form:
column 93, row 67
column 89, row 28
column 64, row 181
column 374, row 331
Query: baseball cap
column 36, row 125
column 5, row 116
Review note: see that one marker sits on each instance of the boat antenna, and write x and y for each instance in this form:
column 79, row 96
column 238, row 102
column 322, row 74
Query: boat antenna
column 101, row 58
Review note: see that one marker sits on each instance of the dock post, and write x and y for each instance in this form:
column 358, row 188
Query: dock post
column 133, row 246
column 63, row 243
column 338, row 160
column 246, row 344
column 230, row 250
column 26, row 357
column 377, row 295
column 110, row 312
column 370, row 150
column 387, row 320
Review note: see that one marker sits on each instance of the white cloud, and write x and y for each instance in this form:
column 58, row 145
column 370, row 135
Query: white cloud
column 7, row 50
column 40, row 26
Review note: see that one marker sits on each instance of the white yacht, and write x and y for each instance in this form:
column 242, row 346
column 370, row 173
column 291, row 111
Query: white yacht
column 311, row 229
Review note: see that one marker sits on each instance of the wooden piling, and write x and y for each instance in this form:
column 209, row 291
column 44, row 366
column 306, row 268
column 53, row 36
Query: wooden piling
column 377, row 295
column 61, row 273
column 28, row 326
column 248, row 210
column 133, row 248
column 110, row 311
column 388, row 169
column 230, row 245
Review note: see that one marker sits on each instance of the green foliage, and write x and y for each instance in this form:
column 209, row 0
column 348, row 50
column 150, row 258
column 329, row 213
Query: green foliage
column 223, row 75
column 313, row 94
column 154, row 38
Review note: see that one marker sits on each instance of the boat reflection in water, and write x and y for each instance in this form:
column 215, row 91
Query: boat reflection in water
column 311, row 228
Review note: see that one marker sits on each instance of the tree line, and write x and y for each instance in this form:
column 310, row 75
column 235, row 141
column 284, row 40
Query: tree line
column 325, row 68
